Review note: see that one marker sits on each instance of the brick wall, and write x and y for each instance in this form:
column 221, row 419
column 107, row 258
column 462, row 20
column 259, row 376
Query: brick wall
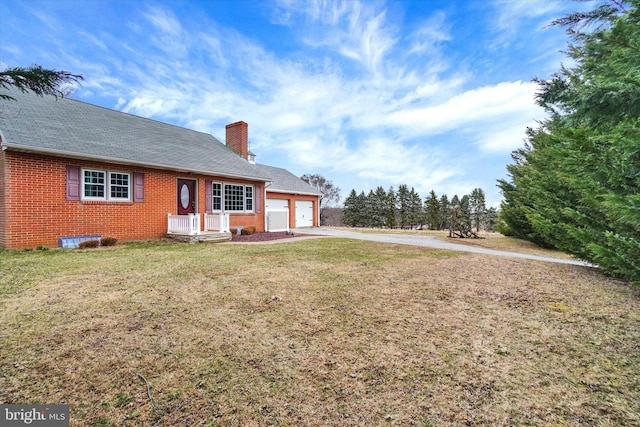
column 3, row 187
column 35, row 210
column 237, row 138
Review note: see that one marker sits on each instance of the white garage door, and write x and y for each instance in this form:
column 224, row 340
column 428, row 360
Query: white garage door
column 277, row 204
column 277, row 214
column 304, row 213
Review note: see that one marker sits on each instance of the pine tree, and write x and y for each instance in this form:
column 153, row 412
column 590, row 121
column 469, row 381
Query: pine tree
column 444, row 216
column 404, row 205
column 477, row 207
column 432, row 211
column 415, row 215
column 350, row 210
column 41, row 81
column 576, row 184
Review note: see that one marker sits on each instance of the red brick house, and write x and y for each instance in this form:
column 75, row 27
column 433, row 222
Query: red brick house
column 71, row 169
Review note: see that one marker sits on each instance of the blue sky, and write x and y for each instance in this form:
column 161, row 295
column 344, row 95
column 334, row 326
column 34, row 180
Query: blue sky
column 433, row 94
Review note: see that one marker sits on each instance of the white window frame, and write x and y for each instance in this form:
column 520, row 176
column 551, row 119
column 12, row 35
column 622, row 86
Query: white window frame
column 107, row 185
column 244, row 209
column 219, row 198
column 249, row 198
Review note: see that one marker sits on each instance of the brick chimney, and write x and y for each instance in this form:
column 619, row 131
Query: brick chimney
column 238, row 138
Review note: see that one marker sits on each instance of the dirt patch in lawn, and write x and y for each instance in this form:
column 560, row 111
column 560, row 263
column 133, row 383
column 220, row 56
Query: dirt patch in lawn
column 320, row 332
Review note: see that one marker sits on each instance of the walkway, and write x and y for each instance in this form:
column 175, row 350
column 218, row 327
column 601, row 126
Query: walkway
column 430, row 242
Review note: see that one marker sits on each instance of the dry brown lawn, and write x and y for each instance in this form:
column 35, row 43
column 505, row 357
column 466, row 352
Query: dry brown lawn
column 487, row 240
column 318, row 332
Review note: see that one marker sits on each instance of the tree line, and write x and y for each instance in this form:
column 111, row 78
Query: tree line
column 404, row 208
column 576, row 184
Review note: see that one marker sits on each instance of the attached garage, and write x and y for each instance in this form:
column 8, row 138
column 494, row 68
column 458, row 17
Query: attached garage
column 304, row 213
column 277, row 214
column 289, row 201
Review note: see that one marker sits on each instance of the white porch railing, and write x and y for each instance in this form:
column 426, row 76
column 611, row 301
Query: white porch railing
column 183, row 224
column 216, row 222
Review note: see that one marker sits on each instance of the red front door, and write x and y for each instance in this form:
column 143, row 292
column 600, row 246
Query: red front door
column 186, row 196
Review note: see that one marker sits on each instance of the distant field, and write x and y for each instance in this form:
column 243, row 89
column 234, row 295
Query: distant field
column 317, row 332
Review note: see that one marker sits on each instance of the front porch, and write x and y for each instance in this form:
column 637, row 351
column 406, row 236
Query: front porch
column 187, row 228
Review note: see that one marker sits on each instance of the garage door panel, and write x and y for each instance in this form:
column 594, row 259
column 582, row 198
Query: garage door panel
column 304, row 213
column 277, row 204
column 278, row 220
column 277, row 214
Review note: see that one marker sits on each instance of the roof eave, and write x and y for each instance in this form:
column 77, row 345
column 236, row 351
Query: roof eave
column 302, row 193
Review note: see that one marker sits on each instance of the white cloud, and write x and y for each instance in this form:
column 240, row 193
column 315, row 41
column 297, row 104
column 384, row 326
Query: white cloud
column 358, row 94
column 164, row 20
column 307, row 113
column 510, row 15
column 430, row 34
column 481, row 104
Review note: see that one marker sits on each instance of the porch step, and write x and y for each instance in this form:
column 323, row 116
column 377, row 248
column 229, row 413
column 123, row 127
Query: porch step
column 208, row 237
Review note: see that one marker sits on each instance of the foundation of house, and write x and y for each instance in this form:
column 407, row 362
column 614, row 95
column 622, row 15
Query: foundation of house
column 203, row 237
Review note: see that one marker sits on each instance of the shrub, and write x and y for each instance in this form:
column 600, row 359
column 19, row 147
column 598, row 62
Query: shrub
column 233, row 230
column 89, row 244
column 108, row 241
column 503, row 228
column 248, row 231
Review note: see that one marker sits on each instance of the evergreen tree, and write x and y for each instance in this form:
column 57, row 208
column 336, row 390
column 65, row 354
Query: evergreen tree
column 444, row 216
column 404, row 205
column 380, row 207
column 391, row 209
column 464, row 214
column 454, row 208
column 432, row 211
column 39, row 80
column 576, row 184
column 361, row 210
column 477, row 207
column 350, row 210
column 415, row 215
column 491, row 219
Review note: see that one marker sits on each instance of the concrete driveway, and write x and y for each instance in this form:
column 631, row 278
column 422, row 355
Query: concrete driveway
column 430, row 242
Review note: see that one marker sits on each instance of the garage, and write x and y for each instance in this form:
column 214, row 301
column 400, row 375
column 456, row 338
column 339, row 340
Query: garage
column 277, row 211
column 304, row 213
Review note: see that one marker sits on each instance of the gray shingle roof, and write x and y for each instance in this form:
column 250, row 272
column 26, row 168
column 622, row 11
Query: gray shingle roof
column 284, row 181
column 75, row 129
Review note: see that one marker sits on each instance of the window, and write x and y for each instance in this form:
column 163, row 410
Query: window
column 119, row 185
column 248, row 198
column 216, row 196
column 94, row 184
column 237, row 198
column 104, row 185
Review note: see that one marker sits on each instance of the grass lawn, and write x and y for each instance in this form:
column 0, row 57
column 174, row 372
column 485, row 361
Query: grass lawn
column 495, row 241
column 318, row 332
